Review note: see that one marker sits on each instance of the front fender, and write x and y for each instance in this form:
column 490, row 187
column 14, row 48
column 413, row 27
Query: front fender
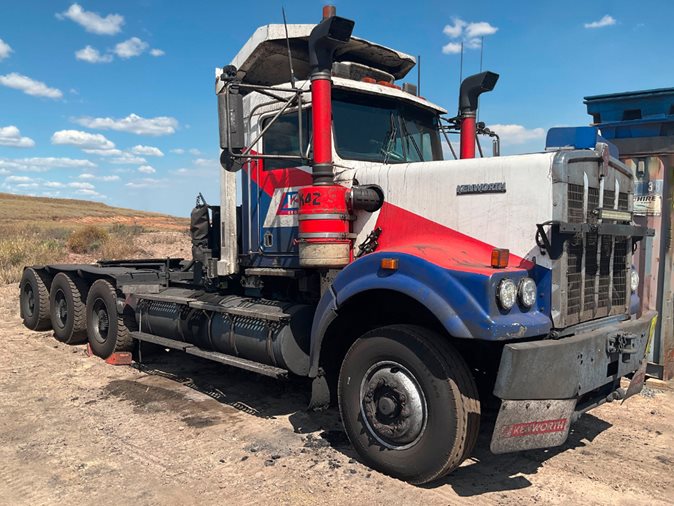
column 463, row 302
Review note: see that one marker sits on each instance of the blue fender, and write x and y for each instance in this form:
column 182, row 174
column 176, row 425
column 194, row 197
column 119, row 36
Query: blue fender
column 462, row 301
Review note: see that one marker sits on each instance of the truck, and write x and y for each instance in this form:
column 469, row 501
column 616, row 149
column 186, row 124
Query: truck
column 415, row 292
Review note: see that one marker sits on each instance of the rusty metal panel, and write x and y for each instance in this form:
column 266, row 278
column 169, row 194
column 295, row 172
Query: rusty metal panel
column 653, row 259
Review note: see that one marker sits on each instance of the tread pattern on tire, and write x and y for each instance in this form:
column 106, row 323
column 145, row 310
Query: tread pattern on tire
column 79, row 289
column 462, row 383
column 126, row 322
column 467, row 390
column 43, row 319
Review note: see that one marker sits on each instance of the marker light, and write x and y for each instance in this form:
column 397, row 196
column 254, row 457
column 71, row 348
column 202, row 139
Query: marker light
column 527, row 292
column 500, row 258
column 634, row 280
column 390, row 264
column 506, row 293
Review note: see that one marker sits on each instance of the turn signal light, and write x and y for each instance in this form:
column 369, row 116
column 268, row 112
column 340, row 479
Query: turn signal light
column 500, row 258
column 390, row 264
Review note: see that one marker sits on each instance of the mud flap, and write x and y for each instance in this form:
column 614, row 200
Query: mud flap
column 525, row 425
column 637, row 381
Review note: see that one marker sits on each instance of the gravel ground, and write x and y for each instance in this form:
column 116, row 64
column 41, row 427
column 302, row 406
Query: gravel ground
column 179, row 430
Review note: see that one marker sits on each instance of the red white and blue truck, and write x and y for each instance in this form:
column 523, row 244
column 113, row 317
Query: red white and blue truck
column 415, row 292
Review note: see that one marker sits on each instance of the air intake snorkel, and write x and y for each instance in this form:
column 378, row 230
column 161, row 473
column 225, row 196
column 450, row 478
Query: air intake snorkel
column 471, row 89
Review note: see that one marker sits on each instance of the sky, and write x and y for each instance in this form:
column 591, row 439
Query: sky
column 114, row 101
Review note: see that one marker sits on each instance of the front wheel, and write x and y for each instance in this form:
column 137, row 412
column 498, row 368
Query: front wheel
column 409, row 403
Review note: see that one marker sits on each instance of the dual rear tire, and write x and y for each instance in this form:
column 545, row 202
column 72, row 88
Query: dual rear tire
column 76, row 311
column 108, row 331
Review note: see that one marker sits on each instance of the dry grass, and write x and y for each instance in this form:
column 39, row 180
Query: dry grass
column 28, row 246
column 35, row 231
column 87, row 239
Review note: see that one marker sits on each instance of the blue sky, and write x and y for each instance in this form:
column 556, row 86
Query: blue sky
column 91, row 94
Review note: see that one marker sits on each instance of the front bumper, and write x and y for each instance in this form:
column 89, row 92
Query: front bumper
column 541, row 383
column 570, row 367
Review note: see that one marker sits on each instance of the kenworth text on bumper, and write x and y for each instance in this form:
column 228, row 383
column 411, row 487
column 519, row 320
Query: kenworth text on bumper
column 414, row 292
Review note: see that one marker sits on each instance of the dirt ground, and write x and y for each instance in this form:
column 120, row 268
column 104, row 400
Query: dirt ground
column 74, row 430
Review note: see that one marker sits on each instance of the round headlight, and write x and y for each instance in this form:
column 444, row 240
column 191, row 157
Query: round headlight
column 506, row 294
column 634, row 280
column 527, row 292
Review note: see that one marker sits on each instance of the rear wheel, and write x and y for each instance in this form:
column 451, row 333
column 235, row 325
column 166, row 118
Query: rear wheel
column 34, row 299
column 108, row 331
column 409, row 403
column 67, row 308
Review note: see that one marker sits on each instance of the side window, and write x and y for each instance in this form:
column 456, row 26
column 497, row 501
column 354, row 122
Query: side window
column 282, row 138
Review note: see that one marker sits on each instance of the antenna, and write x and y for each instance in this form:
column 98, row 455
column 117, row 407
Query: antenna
column 290, row 56
column 461, row 65
column 481, row 51
column 419, row 75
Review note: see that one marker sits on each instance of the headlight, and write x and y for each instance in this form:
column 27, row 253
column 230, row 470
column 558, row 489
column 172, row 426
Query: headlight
column 527, row 292
column 506, row 294
column 634, row 280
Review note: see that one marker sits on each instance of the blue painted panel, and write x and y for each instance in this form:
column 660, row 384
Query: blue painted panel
column 463, row 302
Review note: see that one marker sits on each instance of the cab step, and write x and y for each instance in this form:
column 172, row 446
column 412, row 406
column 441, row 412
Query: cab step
column 241, row 363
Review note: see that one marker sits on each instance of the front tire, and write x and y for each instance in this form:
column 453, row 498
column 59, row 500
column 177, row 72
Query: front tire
column 409, row 403
column 67, row 298
column 108, row 331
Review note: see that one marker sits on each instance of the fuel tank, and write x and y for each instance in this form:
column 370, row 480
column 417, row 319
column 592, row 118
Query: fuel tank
column 265, row 331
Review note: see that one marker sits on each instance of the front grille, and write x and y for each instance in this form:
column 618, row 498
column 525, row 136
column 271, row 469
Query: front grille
column 596, row 266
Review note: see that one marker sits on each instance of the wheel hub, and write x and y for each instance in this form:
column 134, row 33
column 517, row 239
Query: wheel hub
column 393, row 405
column 101, row 321
column 61, row 309
column 29, row 306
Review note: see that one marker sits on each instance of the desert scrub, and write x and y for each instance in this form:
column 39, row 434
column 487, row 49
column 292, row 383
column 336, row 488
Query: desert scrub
column 122, row 230
column 87, row 239
column 26, row 248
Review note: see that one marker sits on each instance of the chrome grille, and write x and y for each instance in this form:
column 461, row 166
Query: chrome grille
column 596, row 266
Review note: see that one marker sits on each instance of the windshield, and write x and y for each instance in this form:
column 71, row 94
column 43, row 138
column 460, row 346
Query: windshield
column 383, row 130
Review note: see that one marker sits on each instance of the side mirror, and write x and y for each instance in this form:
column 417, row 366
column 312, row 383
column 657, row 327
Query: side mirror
column 230, row 120
column 230, row 109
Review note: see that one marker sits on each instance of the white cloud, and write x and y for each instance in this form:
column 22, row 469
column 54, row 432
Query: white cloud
column 480, row 29
column 517, row 134
column 43, row 164
column 146, row 150
column 144, row 183
column 157, row 52
column 470, row 35
column 178, row 151
column 92, row 21
column 92, row 55
column 82, row 139
column 131, row 47
column 19, row 179
column 54, row 184
column 456, row 29
column 11, row 136
column 90, row 193
column 81, row 185
column 127, row 159
column 147, row 169
column 604, row 21
column 452, row 48
column 195, row 152
column 89, row 176
column 29, row 86
column 5, row 50
column 161, row 125
column 104, row 152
